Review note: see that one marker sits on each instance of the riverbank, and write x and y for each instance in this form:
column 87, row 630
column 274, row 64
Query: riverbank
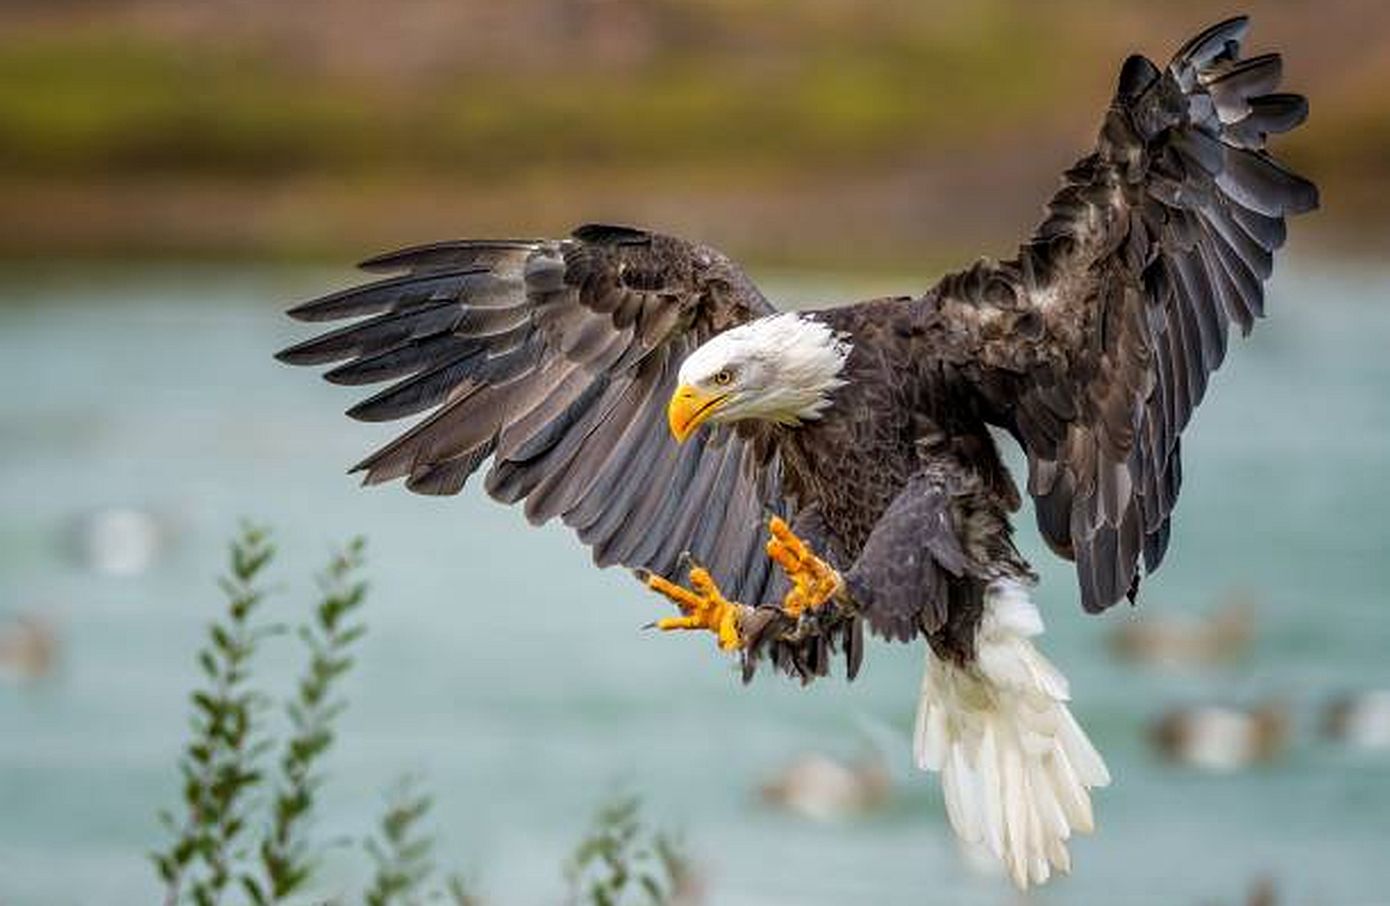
column 839, row 138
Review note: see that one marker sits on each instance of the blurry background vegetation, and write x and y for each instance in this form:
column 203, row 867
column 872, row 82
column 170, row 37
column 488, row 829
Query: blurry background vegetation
column 830, row 133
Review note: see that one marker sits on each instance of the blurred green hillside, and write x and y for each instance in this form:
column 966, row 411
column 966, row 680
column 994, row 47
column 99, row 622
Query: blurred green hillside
column 797, row 132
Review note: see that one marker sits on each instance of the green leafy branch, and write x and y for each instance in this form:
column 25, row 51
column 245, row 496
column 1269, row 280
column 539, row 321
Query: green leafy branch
column 619, row 861
column 286, row 858
column 218, row 765
column 401, row 854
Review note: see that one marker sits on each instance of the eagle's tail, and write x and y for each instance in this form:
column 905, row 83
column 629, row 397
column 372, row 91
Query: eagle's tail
column 1016, row 768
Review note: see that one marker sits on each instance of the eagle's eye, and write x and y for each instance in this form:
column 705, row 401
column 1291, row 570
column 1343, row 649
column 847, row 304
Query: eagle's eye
column 724, row 378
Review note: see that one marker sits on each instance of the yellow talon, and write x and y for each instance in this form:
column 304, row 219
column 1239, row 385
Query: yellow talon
column 703, row 606
column 813, row 580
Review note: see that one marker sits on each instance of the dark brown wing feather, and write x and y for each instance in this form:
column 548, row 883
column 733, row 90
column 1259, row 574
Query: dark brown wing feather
column 556, row 358
column 901, row 578
column 1095, row 345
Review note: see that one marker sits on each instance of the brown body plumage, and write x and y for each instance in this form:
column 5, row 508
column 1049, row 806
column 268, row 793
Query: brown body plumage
column 904, row 421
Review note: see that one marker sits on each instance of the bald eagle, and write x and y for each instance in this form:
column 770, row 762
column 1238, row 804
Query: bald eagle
column 807, row 474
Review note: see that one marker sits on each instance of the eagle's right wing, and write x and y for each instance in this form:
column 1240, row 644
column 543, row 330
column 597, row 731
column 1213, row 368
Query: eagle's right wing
column 1094, row 346
column 555, row 359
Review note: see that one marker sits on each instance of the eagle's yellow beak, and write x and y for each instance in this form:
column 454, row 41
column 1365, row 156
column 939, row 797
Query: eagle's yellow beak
column 688, row 409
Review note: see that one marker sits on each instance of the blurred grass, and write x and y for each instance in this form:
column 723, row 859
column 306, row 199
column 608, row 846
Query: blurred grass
column 141, row 126
column 124, row 103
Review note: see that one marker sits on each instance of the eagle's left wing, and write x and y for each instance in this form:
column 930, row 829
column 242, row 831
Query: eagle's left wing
column 1094, row 346
column 555, row 359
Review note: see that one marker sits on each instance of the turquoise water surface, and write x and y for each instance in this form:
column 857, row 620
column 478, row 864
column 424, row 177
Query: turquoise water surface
column 515, row 679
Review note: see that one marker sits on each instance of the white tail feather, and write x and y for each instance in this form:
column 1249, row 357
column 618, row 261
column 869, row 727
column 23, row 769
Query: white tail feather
column 1015, row 766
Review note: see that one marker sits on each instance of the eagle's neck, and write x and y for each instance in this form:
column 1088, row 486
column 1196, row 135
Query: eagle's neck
column 807, row 358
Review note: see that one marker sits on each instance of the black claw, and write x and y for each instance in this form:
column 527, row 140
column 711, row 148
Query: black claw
column 778, row 656
column 815, row 656
column 799, row 662
column 854, row 648
column 642, row 574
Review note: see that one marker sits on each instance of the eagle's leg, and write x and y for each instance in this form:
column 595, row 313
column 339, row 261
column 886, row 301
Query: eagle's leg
column 703, row 607
column 814, row 582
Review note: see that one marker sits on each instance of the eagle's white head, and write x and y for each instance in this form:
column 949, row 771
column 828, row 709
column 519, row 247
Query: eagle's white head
column 781, row 368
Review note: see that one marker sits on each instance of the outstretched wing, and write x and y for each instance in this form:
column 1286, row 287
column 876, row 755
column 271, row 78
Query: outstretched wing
column 556, row 358
column 1095, row 345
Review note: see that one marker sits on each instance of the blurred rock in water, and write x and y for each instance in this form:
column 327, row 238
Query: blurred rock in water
column 28, row 648
column 1263, row 893
column 1360, row 719
column 823, row 788
column 1179, row 641
column 118, row 541
column 1222, row 739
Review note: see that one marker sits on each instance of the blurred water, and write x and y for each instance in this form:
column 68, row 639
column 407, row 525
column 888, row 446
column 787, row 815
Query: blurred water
column 514, row 677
